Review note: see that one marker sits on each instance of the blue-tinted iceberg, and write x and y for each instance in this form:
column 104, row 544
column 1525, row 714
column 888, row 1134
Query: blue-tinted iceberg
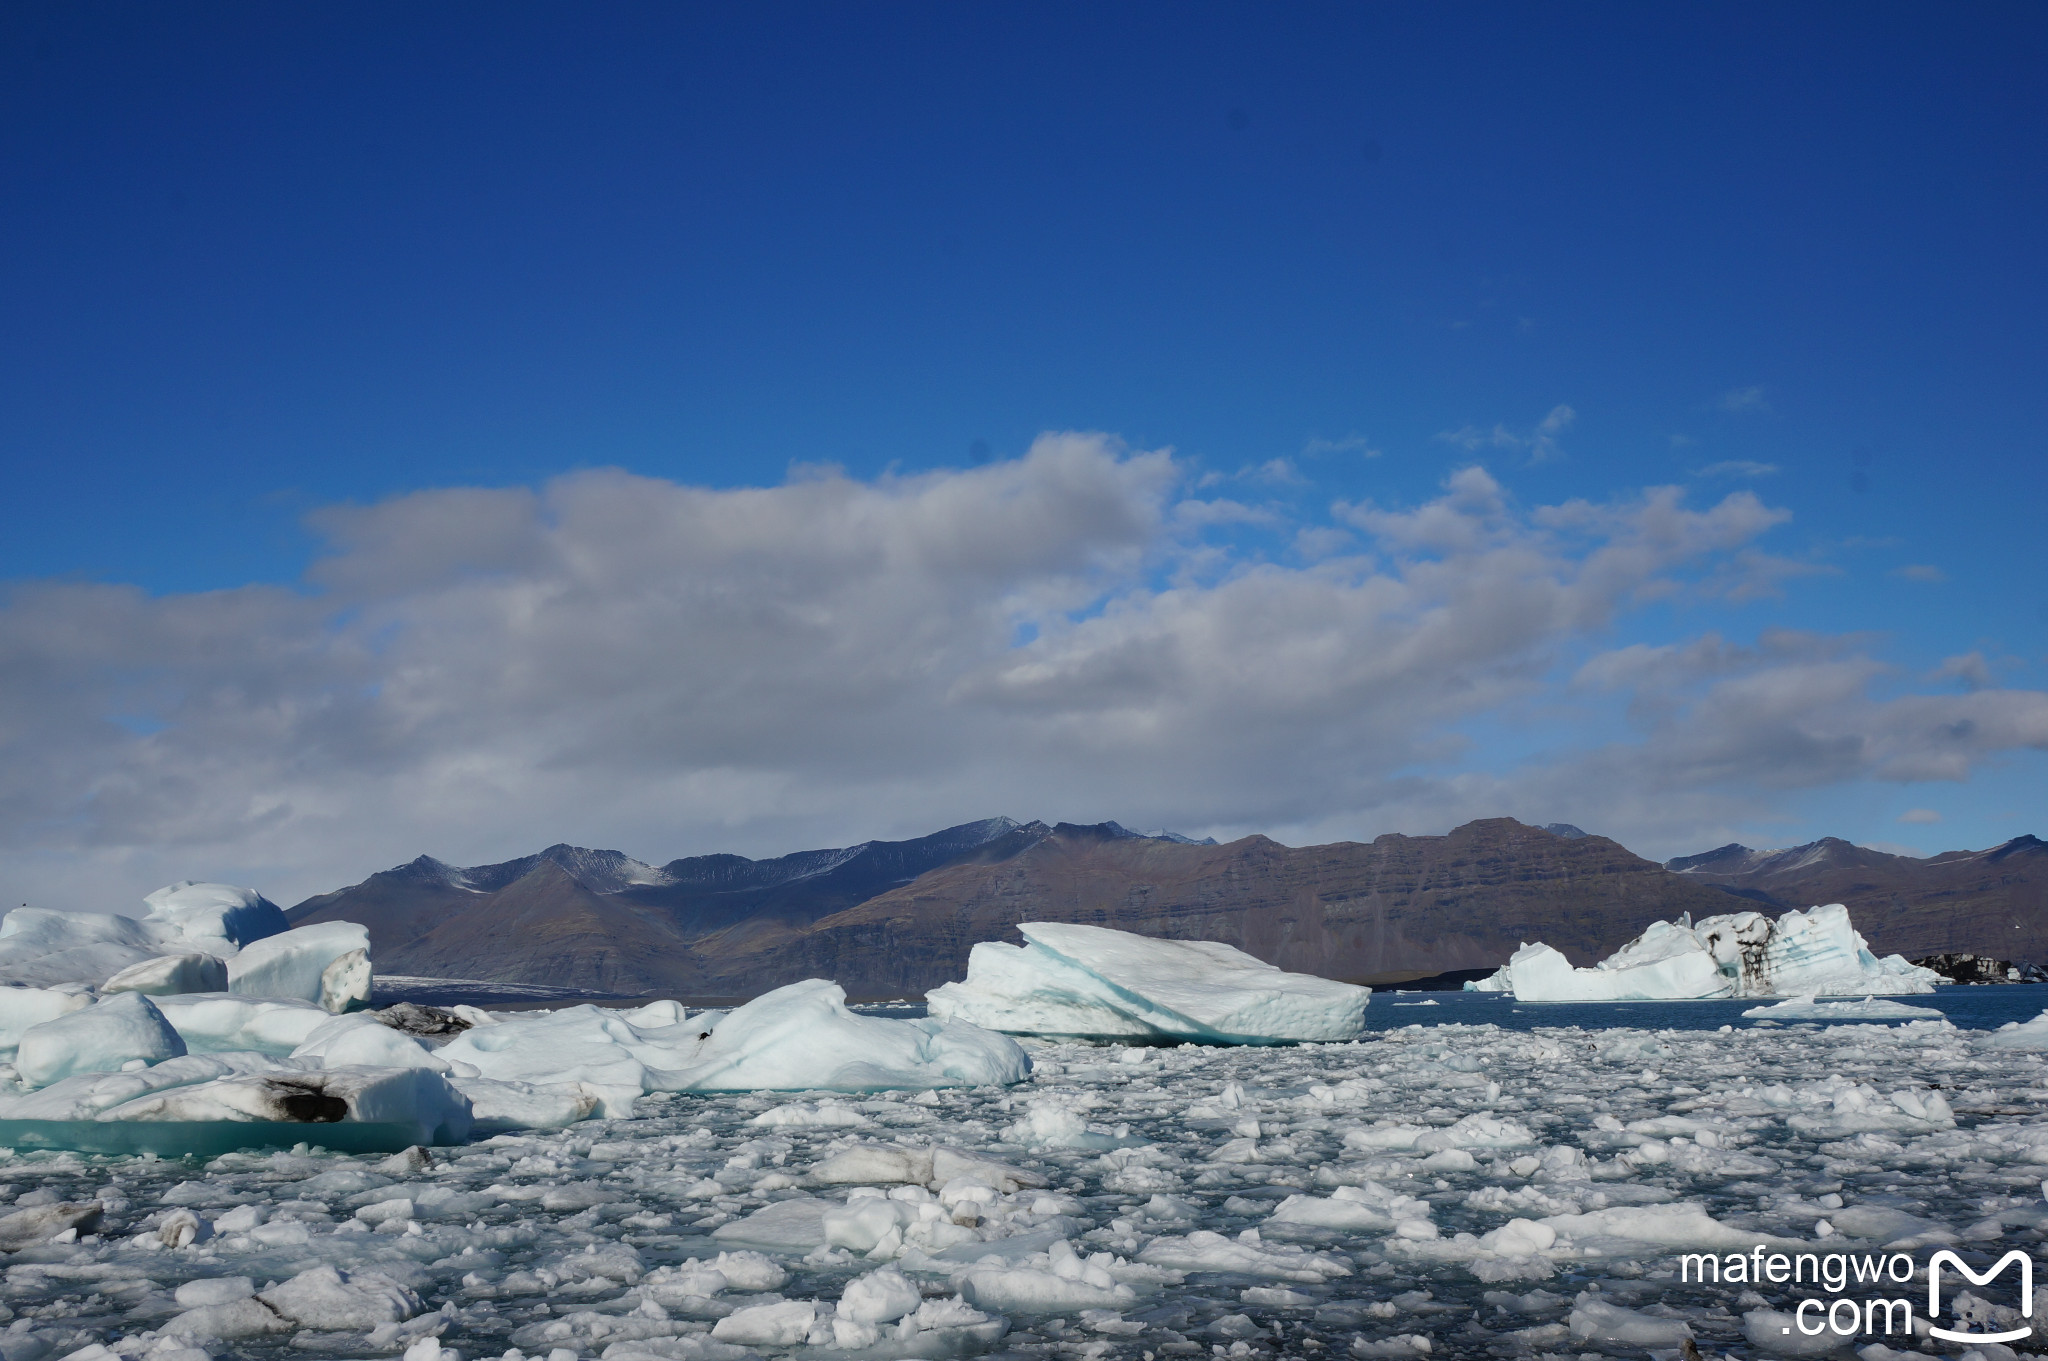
column 1095, row 982
column 1740, row 954
column 194, row 922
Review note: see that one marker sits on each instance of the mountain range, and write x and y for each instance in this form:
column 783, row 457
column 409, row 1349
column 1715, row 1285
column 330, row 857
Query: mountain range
column 893, row 918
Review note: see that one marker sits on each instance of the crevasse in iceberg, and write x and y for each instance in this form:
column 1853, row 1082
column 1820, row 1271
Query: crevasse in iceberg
column 1817, row 952
column 1092, row 981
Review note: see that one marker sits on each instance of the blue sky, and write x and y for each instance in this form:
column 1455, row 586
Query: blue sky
column 264, row 265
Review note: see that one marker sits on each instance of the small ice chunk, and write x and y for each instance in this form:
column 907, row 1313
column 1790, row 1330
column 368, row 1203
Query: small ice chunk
column 1596, row 1322
column 1063, row 1282
column 41, row 1223
column 1207, row 1251
column 822, row 1114
column 784, row 1324
column 879, row 1297
column 792, row 1226
column 330, row 1299
column 1807, row 1008
column 214, row 1290
column 895, row 1164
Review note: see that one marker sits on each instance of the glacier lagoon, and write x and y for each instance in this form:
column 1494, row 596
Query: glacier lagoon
column 1471, row 1175
column 1477, row 1177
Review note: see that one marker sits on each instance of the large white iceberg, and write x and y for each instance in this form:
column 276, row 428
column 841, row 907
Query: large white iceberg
column 1740, row 954
column 41, row 948
column 1095, row 982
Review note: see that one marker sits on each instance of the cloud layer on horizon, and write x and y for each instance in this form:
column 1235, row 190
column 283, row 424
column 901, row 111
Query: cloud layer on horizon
column 1077, row 633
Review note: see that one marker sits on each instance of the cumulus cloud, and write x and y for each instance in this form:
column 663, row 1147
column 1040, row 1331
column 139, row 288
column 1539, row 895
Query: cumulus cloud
column 619, row 660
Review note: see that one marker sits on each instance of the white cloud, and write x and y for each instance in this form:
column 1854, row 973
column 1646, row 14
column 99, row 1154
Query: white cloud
column 1737, row 467
column 1350, row 444
column 1920, row 571
column 1540, row 443
column 1924, row 817
column 618, row 660
column 1969, row 669
column 1744, row 400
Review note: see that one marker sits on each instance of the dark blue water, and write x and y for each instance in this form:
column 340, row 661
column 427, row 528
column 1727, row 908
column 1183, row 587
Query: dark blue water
column 1972, row 1008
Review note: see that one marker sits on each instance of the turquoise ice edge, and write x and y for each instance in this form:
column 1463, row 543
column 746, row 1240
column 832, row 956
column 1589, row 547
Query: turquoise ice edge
column 204, row 1138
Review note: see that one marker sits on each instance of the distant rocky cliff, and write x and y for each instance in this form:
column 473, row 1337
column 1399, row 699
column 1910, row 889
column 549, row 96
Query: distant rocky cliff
column 1402, row 906
column 898, row 917
column 895, row 918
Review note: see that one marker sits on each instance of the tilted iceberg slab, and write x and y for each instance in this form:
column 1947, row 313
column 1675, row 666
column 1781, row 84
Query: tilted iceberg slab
column 1094, row 982
column 1815, row 953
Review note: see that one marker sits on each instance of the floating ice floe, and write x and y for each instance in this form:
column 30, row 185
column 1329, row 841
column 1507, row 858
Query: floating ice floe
column 797, row 1038
column 1869, row 1009
column 1093, row 982
column 1741, row 954
column 208, row 1103
column 2020, row 1035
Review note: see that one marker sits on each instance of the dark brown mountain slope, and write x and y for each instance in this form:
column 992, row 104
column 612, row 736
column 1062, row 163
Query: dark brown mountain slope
column 1400, row 906
column 548, row 928
column 890, row 918
column 1991, row 902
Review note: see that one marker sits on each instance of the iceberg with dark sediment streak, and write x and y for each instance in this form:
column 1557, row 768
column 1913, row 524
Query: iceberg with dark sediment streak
column 1815, row 953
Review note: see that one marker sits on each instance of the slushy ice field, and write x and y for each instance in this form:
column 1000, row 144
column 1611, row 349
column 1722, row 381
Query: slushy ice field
column 1476, row 1179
